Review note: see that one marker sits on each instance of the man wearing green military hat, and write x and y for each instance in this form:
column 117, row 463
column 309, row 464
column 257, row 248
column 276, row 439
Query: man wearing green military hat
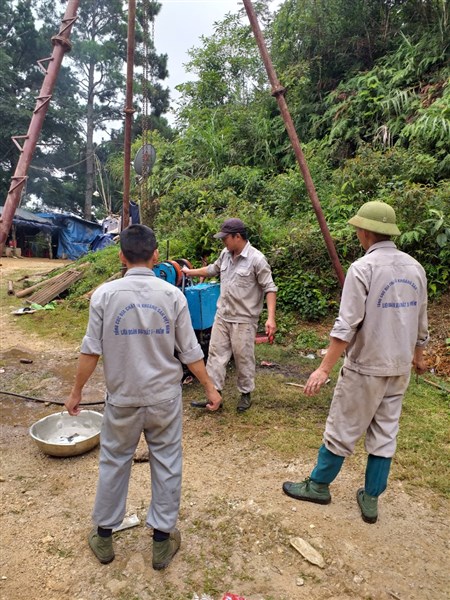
column 382, row 328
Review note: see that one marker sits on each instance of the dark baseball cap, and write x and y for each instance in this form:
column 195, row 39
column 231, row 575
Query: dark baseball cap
column 230, row 226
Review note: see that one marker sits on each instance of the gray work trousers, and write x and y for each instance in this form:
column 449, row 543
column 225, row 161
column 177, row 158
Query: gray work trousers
column 121, row 430
column 365, row 404
column 237, row 339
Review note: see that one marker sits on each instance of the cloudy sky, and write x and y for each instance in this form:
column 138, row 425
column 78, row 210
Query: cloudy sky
column 179, row 26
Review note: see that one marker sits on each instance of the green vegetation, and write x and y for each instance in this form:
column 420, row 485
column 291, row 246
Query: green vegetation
column 367, row 85
column 422, row 456
column 368, row 91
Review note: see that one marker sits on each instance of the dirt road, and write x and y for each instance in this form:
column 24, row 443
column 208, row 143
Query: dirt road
column 235, row 522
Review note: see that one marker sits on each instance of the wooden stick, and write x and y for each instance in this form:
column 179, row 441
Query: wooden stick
column 296, row 384
column 10, row 288
column 87, row 295
column 29, row 290
column 436, row 385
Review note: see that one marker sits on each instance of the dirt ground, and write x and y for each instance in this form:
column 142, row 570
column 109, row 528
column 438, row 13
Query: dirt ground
column 235, row 522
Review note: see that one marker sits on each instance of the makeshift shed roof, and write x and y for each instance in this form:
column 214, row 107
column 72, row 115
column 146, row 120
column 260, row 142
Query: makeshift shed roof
column 32, row 221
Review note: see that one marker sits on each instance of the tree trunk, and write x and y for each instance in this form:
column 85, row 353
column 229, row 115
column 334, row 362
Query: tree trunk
column 89, row 146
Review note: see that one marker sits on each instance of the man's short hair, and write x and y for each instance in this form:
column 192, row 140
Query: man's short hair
column 243, row 234
column 381, row 237
column 138, row 243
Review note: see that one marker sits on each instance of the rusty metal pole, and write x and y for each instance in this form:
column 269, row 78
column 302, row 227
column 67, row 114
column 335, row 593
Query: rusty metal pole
column 278, row 92
column 61, row 45
column 129, row 110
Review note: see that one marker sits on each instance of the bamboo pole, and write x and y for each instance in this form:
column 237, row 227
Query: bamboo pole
column 112, row 278
column 55, row 287
column 29, row 290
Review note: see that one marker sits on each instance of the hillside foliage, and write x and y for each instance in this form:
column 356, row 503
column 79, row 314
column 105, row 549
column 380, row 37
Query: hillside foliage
column 367, row 85
column 368, row 90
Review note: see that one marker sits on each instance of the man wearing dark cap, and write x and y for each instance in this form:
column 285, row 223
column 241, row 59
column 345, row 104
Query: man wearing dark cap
column 245, row 278
column 382, row 328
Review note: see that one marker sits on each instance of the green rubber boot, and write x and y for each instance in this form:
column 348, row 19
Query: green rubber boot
column 163, row 552
column 368, row 506
column 308, row 490
column 102, row 547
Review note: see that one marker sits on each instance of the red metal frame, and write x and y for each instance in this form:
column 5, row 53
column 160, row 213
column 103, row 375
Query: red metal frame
column 278, row 92
column 61, row 45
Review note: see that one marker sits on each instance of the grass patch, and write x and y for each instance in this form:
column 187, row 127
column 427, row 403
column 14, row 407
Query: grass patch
column 290, row 424
column 68, row 321
column 422, row 457
column 283, row 419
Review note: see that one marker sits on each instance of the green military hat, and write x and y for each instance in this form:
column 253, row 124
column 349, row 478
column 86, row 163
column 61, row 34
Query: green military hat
column 376, row 216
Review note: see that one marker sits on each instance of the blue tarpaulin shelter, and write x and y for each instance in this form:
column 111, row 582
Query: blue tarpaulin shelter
column 32, row 234
column 68, row 235
column 75, row 235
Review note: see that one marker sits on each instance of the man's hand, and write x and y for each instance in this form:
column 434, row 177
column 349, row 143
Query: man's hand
column 214, row 399
column 321, row 374
column 419, row 363
column 315, row 382
column 198, row 369
column 270, row 328
column 73, row 403
column 86, row 366
column 420, row 366
column 201, row 272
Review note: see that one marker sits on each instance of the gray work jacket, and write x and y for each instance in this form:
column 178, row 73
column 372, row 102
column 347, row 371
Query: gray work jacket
column 383, row 311
column 243, row 283
column 137, row 323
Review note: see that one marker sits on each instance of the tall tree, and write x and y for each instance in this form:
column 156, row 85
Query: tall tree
column 97, row 58
column 226, row 111
column 317, row 43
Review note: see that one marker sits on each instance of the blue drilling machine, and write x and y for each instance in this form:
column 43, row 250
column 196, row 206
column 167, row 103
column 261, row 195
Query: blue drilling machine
column 201, row 297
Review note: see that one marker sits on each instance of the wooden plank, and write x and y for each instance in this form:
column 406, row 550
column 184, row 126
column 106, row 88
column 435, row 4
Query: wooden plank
column 55, row 286
column 29, row 290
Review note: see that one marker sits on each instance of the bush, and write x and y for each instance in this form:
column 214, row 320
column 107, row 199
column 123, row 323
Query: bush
column 303, row 293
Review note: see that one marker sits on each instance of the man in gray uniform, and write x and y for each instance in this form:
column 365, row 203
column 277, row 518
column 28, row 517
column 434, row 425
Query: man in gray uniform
column 136, row 323
column 382, row 327
column 245, row 278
